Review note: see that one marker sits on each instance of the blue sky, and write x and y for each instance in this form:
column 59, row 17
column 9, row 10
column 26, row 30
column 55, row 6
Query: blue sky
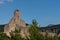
column 44, row 11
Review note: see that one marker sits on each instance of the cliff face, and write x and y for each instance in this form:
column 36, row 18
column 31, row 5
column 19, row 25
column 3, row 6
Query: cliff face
column 16, row 21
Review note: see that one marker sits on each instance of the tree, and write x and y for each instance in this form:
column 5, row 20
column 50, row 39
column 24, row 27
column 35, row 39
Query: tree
column 34, row 31
column 15, row 35
column 3, row 36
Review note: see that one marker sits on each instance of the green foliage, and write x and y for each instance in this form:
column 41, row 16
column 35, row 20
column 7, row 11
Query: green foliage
column 34, row 31
column 17, row 30
column 3, row 36
column 15, row 35
column 35, row 34
column 47, row 37
column 56, row 37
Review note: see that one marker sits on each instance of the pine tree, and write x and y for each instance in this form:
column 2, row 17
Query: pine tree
column 34, row 31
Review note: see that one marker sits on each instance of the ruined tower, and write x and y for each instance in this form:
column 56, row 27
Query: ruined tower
column 16, row 21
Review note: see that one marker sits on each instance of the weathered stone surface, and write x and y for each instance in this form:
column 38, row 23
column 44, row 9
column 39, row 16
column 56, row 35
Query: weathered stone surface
column 16, row 21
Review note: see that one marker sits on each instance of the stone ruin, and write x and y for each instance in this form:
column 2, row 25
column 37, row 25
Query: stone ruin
column 16, row 21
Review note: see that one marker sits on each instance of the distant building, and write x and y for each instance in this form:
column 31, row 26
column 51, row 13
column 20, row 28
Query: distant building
column 52, row 29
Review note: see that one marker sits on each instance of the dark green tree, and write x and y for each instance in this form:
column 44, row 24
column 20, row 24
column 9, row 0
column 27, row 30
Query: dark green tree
column 3, row 36
column 15, row 35
column 34, row 31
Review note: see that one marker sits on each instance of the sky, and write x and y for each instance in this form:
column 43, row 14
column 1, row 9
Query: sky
column 46, row 12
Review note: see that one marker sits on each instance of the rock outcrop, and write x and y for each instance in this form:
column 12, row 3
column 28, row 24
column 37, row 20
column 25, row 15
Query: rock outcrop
column 16, row 21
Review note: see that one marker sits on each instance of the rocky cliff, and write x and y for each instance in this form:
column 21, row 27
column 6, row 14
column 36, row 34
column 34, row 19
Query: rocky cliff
column 16, row 21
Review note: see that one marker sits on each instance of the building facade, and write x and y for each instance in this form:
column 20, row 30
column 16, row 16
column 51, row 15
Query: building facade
column 51, row 29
